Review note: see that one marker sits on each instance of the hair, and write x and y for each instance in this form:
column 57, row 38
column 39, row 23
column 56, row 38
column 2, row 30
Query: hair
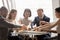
column 11, row 12
column 4, row 11
column 40, row 10
column 28, row 10
column 0, row 11
column 57, row 9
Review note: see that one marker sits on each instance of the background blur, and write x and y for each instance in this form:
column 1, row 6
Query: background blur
column 47, row 5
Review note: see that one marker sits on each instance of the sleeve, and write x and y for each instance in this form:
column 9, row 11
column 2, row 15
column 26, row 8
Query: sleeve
column 33, row 23
column 5, row 24
column 47, row 19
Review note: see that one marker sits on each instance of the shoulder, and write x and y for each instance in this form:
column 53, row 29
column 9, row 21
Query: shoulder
column 21, row 19
column 30, row 20
column 47, row 17
column 36, row 17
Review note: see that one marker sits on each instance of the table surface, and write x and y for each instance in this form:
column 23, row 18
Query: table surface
column 32, row 33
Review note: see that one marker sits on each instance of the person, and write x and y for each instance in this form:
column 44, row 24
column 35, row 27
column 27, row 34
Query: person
column 12, row 16
column 4, row 25
column 25, row 20
column 11, row 19
column 38, row 19
column 51, row 25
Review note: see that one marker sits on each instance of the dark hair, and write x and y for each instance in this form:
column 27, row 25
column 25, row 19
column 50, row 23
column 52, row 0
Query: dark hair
column 40, row 10
column 57, row 9
column 4, row 11
column 12, row 11
column 28, row 10
column 0, row 11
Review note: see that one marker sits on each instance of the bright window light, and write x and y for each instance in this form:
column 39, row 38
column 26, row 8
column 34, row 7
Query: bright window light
column 34, row 5
column 1, row 4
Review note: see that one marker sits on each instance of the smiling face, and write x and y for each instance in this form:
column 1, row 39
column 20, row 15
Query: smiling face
column 4, row 12
column 13, row 15
column 40, row 12
column 26, row 14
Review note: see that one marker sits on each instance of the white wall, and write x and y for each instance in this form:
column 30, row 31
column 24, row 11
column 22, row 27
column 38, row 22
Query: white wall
column 34, row 5
column 59, row 2
column 55, row 4
column 1, row 4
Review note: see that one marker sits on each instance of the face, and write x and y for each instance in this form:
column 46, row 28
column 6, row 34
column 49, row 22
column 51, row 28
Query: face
column 40, row 13
column 0, row 12
column 57, row 14
column 14, row 15
column 27, row 14
column 4, row 14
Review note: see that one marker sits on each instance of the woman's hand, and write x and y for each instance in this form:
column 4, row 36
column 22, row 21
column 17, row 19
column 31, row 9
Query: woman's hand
column 24, row 27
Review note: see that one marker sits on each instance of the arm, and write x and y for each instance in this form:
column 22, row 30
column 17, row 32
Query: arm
column 33, row 23
column 50, row 25
column 47, row 19
column 4, row 24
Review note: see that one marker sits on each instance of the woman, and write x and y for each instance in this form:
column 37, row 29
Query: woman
column 12, row 16
column 11, row 19
column 25, row 20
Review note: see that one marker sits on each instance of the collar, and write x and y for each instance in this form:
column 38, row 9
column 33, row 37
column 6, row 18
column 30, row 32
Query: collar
column 42, row 16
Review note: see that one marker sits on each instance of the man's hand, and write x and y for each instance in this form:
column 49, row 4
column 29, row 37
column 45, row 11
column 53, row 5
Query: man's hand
column 43, row 22
column 43, row 27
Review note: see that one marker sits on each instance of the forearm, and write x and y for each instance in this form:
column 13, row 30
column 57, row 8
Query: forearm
column 49, row 26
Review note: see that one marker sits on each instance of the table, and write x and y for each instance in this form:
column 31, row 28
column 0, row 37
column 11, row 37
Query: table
column 32, row 33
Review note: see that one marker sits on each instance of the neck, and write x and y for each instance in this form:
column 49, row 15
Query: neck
column 26, row 18
column 41, row 16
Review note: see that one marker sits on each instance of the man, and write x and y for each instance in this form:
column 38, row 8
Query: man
column 4, row 25
column 41, row 17
column 51, row 25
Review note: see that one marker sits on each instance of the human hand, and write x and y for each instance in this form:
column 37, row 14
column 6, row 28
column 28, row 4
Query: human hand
column 36, row 28
column 24, row 27
column 43, row 22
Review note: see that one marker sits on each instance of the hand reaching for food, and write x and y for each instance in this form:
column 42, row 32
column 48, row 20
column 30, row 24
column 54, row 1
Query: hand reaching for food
column 43, row 22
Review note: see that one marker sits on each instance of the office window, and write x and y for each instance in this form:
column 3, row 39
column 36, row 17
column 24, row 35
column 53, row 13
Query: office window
column 34, row 5
column 1, row 4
